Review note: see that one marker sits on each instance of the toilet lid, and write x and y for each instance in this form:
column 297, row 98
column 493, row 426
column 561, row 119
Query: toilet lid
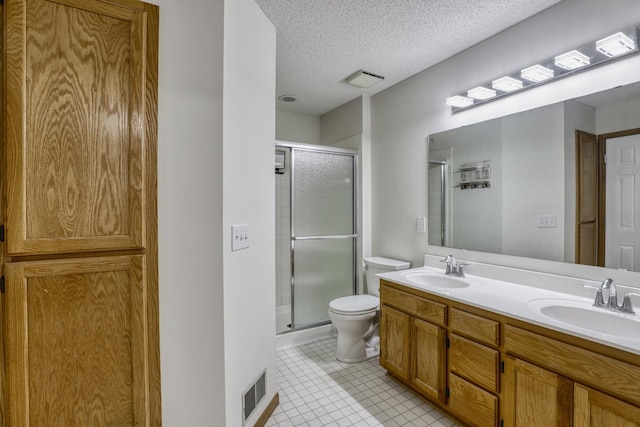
column 355, row 304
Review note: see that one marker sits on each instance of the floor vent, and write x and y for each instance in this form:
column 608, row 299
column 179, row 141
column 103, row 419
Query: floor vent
column 252, row 397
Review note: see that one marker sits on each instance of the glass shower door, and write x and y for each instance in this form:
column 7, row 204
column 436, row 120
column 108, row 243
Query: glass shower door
column 323, row 232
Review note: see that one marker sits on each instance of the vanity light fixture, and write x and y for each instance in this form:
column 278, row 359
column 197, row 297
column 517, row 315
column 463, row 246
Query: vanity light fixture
column 506, row 84
column 459, row 101
column 481, row 93
column 572, row 60
column 613, row 47
column 536, row 73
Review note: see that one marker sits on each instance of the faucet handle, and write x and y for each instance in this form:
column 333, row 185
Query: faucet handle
column 627, row 305
column 461, row 266
column 598, row 301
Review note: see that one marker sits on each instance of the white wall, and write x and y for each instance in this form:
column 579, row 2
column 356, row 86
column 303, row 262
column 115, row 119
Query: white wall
column 405, row 114
column 533, row 167
column 297, row 127
column 617, row 117
column 248, row 198
column 190, row 212
column 342, row 122
column 216, row 315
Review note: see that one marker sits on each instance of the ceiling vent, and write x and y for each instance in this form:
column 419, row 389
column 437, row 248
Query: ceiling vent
column 364, row 79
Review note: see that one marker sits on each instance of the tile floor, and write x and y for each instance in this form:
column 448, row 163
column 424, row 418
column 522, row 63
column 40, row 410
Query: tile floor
column 318, row 391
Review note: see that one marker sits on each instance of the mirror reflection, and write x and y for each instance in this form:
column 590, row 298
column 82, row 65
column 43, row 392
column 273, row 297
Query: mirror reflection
column 535, row 183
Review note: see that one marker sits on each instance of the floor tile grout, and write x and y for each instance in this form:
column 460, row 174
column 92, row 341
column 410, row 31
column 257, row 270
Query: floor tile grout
column 318, row 391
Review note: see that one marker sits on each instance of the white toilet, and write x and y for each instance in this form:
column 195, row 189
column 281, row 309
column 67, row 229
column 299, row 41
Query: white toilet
column 356, row 317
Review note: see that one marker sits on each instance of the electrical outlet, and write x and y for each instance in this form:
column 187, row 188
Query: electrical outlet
column 546, row 221
column 239, row 237
column 421, row 224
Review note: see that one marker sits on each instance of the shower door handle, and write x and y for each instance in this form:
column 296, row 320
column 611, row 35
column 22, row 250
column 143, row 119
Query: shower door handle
column 336, row 236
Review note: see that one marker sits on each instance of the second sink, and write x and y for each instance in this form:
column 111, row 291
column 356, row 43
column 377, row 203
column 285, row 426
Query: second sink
column 583, row 315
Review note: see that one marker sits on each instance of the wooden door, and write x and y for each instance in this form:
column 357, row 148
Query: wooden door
column 535, row 397
column 76, row 330
column 395, row 335
column 428, row 359
column 622, row 230
column 587, row 165
column 80, row 325
column 77, row 130
column 594, row 409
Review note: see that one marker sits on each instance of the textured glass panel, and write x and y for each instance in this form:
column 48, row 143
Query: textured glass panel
column 323, row 271
column 323, row 193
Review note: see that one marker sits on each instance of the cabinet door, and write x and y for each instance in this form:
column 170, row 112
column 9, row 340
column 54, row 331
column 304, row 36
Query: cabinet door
column 395, row 333
column 594, row 409
column 76, row 336
column 427, row 359
column 535, row 397
column 80, row 114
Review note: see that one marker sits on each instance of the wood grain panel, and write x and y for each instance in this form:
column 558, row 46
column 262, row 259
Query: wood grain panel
column 421, row 308
column 428, row 359
column 535, row 397
column 77, row 334
column 474, row 362
column 587, row 169
column 395, row 332
column 75, row 140
column 594, row 409
column 480, row 328
column 471, row 403
column 593, row 369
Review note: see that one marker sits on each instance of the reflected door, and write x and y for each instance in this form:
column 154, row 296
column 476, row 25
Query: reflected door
column 623, row 204
column 323, row 232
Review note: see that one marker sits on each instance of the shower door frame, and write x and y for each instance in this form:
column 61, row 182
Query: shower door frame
column 355, row 236
column 443, row 199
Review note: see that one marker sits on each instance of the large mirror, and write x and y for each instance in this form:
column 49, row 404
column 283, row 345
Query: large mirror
column 523, row 185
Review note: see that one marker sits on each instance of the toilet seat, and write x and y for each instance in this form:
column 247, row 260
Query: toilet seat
column 355, row 305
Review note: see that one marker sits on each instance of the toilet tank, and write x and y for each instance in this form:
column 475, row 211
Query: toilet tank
column 377, row 265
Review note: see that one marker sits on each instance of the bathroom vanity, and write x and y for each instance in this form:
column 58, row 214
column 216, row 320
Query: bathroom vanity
column 483, row 351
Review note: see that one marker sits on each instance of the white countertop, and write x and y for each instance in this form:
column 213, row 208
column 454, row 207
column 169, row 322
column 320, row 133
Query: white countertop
column 517, row 301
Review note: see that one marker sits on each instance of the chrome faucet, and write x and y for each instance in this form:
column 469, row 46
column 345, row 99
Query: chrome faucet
column 612, row 301
column 452, row 265
column 453, row 268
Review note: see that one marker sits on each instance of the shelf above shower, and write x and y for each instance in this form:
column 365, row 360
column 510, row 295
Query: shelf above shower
column 475, row 175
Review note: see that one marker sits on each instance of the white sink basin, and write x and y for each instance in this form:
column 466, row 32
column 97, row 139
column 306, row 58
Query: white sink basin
column 584, row 315
column 437, row 280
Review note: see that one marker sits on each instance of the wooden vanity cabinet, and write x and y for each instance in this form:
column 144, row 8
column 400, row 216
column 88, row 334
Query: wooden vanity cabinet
column 595, row 409
column 395, row 341
column 412, row 342
column 486, row 369
column 535, row 397
column 474, row 365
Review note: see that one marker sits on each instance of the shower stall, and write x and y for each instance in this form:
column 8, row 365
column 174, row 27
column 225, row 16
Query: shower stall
column 316, row 232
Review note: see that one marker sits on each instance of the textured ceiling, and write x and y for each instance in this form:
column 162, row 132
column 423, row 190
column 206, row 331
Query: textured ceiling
column 322, row 42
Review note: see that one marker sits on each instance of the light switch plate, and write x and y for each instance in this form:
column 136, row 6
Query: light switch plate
column 239, row 237
column 546, row 221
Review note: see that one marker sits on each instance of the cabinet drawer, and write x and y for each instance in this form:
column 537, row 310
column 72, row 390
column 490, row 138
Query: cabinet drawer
column 474, row 362
column 480, row 328
column 473, row 404
column 419, row 307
